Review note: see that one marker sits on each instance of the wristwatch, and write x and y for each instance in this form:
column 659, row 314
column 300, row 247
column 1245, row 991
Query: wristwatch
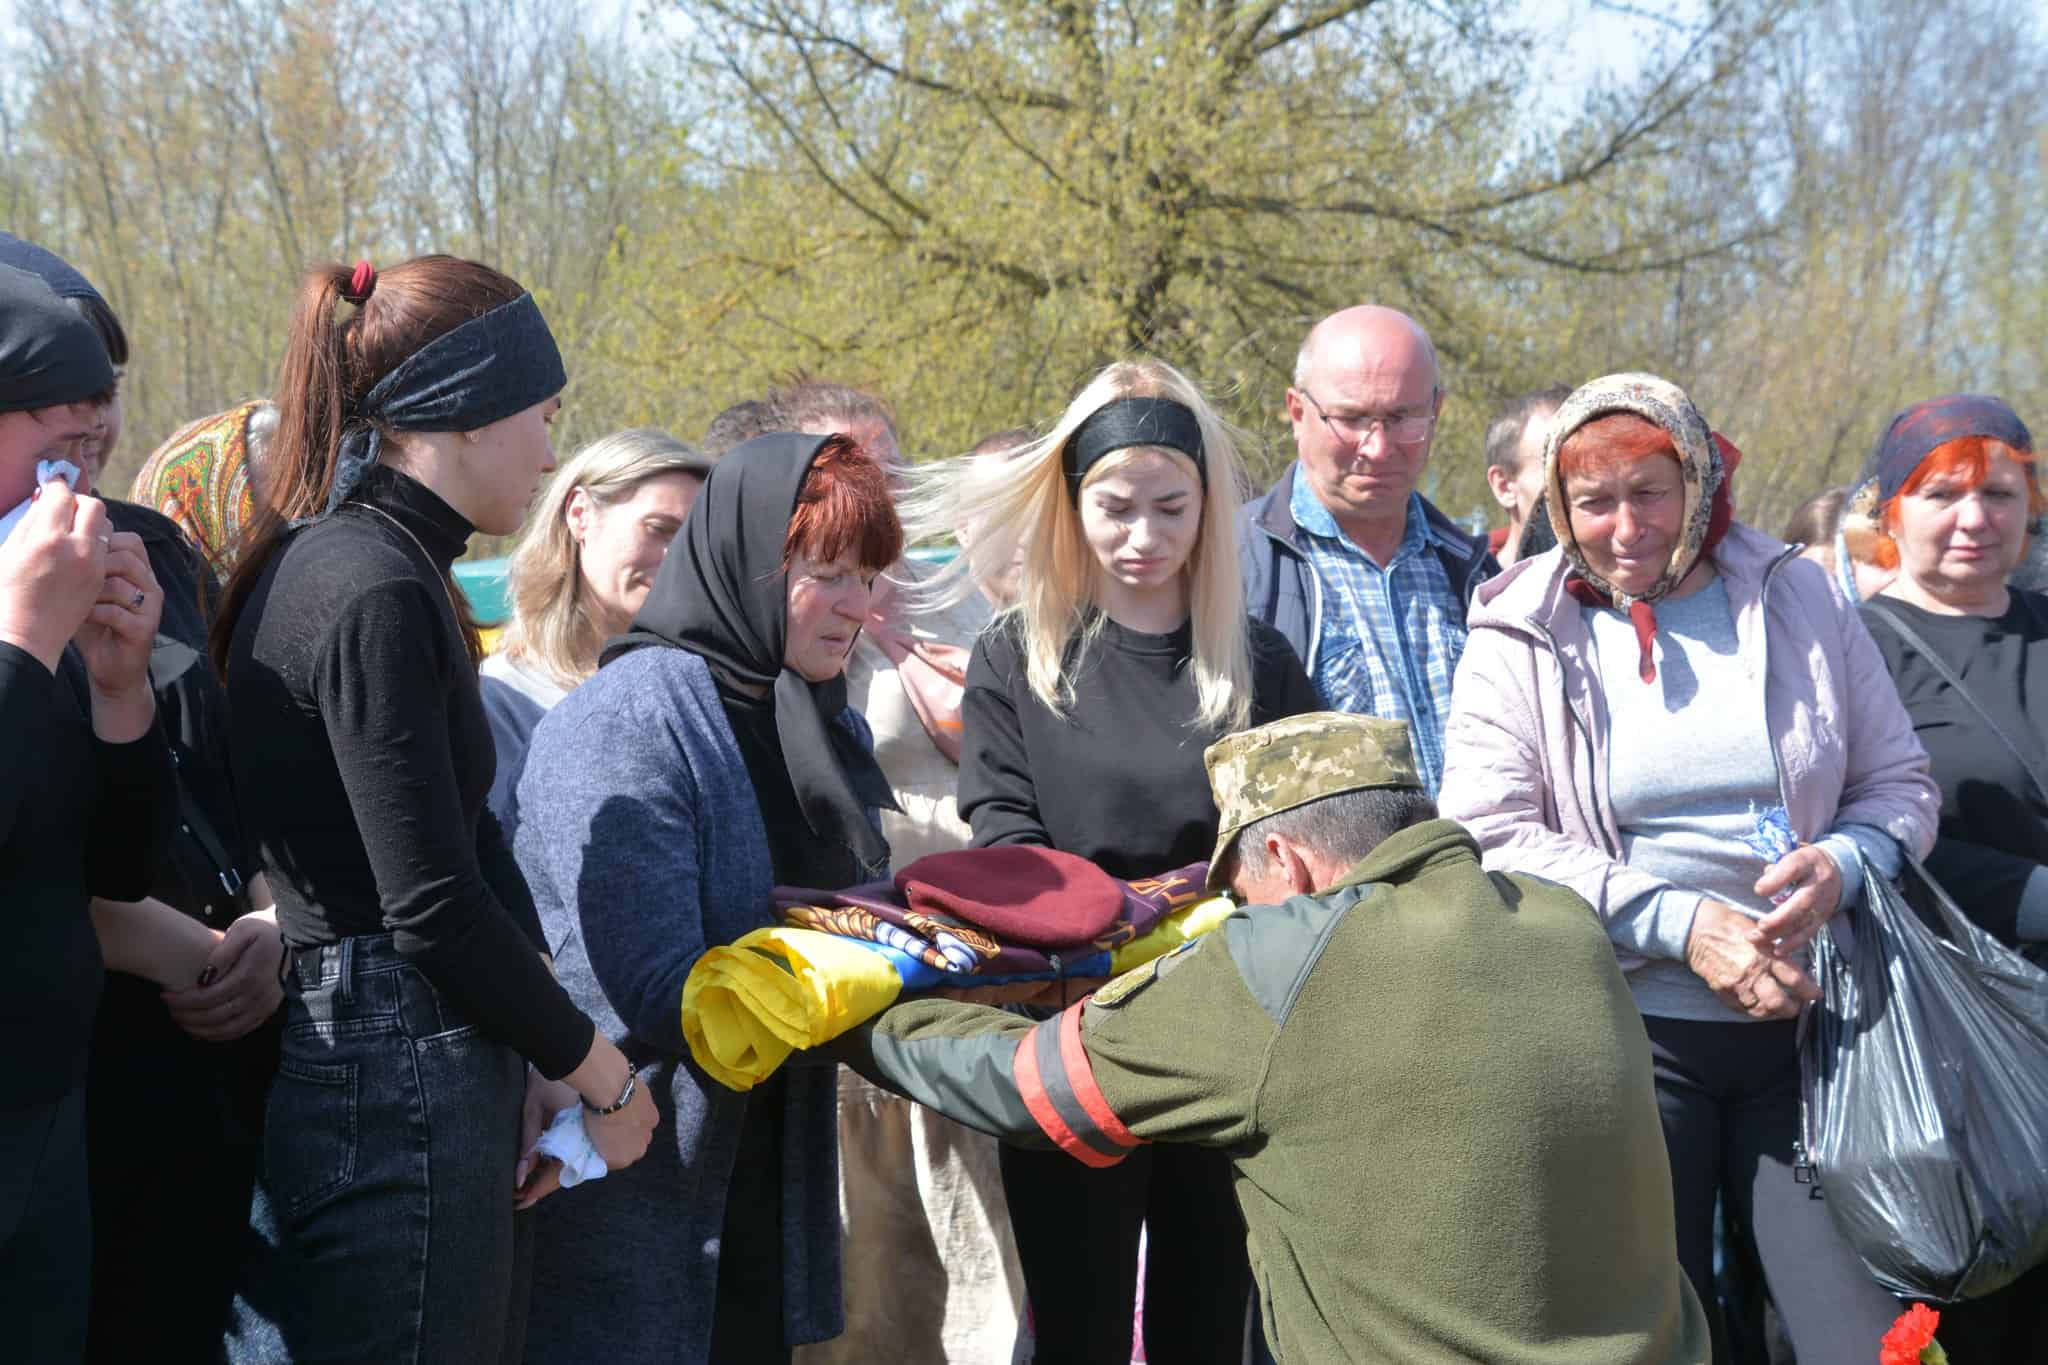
column 625, row 1096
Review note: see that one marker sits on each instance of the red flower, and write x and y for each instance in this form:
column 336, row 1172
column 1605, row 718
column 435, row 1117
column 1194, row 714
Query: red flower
column 1911, row 1339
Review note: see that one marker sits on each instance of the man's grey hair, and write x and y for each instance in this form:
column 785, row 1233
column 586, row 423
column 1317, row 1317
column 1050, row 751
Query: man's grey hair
column 806, row 401
column 1343, row 828
column 1504, row 432
column 1304, row 356
column 738, row 424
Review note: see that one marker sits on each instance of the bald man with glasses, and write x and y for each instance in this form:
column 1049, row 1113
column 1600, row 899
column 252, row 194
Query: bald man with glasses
column 1343, row 556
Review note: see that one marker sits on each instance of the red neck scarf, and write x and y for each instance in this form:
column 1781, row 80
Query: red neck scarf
column 934, row 675
column 1642, row 613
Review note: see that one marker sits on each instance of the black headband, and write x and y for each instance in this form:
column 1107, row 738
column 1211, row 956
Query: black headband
column 1126, row 422
column 496, row 364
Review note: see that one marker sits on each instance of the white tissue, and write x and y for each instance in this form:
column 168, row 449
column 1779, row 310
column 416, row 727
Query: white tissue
column 568, row 1142
column 46, row 470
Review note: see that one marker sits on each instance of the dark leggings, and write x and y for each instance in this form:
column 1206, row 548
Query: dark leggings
column 45, row 1230
column 1076, row 1229
column 172, row 1130
column 1729, row 1097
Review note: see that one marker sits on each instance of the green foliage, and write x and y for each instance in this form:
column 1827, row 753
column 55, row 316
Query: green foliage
column 1807, row 213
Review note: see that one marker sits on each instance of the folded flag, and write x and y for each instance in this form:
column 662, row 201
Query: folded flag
column 748, row 1005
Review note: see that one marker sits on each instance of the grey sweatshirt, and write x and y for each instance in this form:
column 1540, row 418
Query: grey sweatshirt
column 1691, row 769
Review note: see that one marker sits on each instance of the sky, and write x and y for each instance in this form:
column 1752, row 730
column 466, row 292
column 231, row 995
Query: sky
column 1593, row 38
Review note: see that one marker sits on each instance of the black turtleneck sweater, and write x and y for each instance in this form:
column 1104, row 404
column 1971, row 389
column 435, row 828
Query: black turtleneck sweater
column 362, row 757
column 1119, row 778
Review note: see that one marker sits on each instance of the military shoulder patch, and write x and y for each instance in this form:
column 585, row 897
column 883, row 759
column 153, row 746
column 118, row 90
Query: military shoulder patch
column 1122, row 988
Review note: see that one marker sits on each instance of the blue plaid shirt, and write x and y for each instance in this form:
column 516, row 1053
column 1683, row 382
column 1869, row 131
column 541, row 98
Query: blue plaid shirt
column 1391, row 637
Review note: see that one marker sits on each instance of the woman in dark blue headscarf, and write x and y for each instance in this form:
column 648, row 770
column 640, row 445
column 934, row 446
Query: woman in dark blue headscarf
column 1957, row 501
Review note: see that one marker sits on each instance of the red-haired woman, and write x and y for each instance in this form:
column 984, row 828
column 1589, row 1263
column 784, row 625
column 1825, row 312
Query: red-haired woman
column 1671, row 714
column 1957, row 500
column 417, row 995
column 712, row 757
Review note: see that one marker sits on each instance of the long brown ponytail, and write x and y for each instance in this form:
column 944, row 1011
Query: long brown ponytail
column 330, row 364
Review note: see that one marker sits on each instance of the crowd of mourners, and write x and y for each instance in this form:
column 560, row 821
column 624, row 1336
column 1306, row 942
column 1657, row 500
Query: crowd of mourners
column 345, row 1007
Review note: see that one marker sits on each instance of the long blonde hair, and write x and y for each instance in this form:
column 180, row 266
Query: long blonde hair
column 1025, row 501
column 550, row 624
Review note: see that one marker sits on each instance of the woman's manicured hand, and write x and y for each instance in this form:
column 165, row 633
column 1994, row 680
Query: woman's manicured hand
column 534, row 1177
column 240, row 987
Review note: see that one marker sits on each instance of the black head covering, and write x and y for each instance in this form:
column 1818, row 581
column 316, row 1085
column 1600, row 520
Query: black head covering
column 49, row 355
column 722, row 594
column 62, row 277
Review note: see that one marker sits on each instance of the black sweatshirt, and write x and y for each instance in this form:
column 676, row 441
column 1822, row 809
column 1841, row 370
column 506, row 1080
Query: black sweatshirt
column 362, row 757
column 138, row 1052
column 1994, row 826
column 192, row 712
column 76, row 821
column 1118, row 779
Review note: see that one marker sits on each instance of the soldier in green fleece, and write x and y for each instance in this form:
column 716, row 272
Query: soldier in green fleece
column 1431, row 1079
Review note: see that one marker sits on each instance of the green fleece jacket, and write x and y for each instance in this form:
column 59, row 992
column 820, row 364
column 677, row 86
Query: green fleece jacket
column 1434, row 1087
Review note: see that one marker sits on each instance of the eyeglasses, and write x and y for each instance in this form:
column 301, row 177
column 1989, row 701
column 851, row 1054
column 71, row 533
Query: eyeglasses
column 1402, row 429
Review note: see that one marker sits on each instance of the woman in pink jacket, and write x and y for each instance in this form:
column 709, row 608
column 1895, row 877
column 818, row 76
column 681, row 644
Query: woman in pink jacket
column 1678, row 718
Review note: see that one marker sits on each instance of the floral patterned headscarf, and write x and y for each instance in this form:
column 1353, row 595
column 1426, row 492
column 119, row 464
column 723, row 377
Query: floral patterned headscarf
column 1705, row 459
column 199, row 478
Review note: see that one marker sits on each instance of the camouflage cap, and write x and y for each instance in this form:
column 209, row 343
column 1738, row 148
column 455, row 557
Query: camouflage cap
column 1291, row 762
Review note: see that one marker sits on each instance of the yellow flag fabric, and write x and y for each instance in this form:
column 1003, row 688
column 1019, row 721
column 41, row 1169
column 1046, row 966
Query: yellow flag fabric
column 746, row 1007
column 1177, row 928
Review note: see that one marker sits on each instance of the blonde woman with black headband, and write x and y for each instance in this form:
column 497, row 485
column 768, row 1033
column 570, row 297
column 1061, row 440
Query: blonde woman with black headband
column 1088, row 705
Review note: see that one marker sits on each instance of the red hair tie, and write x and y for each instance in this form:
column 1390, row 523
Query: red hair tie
column 361, row 284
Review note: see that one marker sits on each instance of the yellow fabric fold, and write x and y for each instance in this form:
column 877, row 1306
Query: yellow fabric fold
column 1175, row 929
column 747, row 1006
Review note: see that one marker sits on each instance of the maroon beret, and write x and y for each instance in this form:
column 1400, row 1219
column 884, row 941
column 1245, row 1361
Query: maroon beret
column 1033, row 896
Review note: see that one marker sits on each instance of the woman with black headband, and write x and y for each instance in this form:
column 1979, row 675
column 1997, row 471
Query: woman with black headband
column 712, row 756
column 417, row 999
column 1088, row 706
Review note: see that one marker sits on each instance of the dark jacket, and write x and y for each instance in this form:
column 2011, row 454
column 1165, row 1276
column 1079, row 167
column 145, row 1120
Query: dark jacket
column 1282, row 589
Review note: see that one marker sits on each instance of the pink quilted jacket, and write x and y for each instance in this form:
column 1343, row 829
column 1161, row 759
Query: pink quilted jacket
column 1525, row 749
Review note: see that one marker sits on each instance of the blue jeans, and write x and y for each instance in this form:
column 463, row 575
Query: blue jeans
column 385, row 1203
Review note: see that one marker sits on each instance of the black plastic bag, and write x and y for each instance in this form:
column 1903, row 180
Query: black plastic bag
column 1926, row 1097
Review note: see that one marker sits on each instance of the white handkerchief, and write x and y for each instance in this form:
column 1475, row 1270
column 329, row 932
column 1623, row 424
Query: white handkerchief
column 46, row 470
column 568, row 1142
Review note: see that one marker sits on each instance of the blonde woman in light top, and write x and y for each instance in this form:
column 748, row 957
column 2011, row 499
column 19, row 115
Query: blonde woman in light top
column 589, row 553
